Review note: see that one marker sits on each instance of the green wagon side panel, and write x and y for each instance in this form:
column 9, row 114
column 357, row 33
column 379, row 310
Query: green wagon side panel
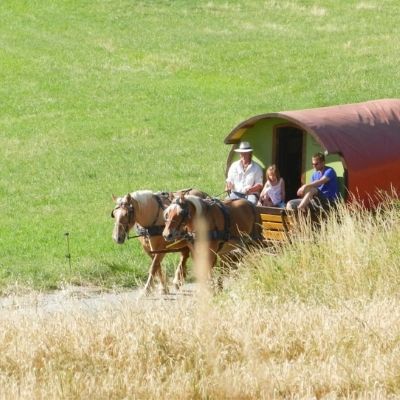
column 260, row 137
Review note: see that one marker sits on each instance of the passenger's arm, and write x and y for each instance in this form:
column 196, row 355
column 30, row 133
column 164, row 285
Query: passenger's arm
column 318, row 182
column 258, row 183
column 254, row 189
column 305, row 188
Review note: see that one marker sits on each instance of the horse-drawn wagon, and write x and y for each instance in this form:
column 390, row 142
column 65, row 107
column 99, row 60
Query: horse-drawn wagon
column 360, row 141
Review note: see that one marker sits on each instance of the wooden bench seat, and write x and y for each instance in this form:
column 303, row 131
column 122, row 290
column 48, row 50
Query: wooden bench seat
column 277, row 223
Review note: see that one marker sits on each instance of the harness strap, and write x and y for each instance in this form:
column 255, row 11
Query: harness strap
column 225, row 235
column 158, row 198
column 154, row 230
column 166, row 251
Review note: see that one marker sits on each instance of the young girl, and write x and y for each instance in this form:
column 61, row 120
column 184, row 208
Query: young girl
column 273, row 193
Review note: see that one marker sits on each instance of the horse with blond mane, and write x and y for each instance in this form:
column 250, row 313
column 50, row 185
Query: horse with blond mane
column 229, row 225
column 144, row 209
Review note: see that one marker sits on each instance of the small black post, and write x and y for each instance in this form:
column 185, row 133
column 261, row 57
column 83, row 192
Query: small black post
column 68, row 255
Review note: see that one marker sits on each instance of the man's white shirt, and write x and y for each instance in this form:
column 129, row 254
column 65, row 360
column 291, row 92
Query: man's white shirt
column 243, row 180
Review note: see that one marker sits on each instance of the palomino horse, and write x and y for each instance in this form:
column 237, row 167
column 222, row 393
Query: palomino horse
column 144, row 209
column 228, row 225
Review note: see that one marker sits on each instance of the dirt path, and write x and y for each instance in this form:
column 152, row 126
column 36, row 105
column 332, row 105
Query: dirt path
column 87, row 299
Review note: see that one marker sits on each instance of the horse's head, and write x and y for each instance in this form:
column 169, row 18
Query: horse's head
column 124, row 215
column 178, row 217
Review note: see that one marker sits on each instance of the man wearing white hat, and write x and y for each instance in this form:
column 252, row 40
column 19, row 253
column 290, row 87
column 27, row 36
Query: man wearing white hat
column 245, row 177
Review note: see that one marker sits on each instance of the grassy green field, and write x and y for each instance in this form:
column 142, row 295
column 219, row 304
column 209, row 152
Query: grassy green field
column 110, row 97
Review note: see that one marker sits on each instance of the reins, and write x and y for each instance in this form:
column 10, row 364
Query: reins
column 167, row 250
column 218, row 195
column 134, row 237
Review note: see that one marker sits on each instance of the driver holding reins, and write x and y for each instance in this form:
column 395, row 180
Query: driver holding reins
column 245, row 177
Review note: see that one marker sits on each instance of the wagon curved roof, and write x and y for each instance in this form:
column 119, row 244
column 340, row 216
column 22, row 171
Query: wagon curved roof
column 366, row 135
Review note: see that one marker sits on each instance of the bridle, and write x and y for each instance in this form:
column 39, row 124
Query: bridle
column 184, row 215
column 130, row 209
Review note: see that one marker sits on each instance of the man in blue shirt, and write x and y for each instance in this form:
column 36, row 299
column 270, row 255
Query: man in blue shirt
column 323, row 186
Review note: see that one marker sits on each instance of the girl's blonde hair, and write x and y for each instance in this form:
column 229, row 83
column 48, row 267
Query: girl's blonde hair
column 274, row 169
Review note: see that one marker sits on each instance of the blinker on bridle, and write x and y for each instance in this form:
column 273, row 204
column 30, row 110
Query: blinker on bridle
column 184, row 214
column 185, row 210
column 130, row 209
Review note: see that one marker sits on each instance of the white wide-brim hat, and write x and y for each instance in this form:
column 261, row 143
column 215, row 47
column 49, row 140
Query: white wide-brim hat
column 244, row 147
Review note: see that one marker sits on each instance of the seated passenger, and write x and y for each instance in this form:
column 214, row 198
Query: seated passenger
column 245, row 177
column 323, row 189
column 273, row 193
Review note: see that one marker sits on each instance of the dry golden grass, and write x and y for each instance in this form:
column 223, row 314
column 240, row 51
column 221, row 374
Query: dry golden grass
column 353, row 254
column 253, row 348
column 295, row 325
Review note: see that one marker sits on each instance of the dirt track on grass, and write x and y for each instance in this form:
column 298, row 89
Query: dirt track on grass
column 88, row 299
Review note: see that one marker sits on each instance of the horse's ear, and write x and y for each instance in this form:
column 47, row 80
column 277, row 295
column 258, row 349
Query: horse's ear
column 186, row 191
column 181, row 197
column 128, row 198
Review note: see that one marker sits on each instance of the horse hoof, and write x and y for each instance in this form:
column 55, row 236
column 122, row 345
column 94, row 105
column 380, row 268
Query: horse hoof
column 164, row 291
column 146, row 292
column 177, row 285
column 141, row 295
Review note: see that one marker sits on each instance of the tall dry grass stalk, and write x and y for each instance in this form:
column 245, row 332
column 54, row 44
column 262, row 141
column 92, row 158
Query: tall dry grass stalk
column 253, row 348
column 354, row 253
column 299, row 324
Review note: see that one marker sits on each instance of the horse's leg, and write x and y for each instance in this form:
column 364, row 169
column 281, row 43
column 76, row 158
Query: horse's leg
column 223, row 261
column 180, row 272
column 162, row 276
column 150, row 278
column 216, row 282
column 155, row 269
